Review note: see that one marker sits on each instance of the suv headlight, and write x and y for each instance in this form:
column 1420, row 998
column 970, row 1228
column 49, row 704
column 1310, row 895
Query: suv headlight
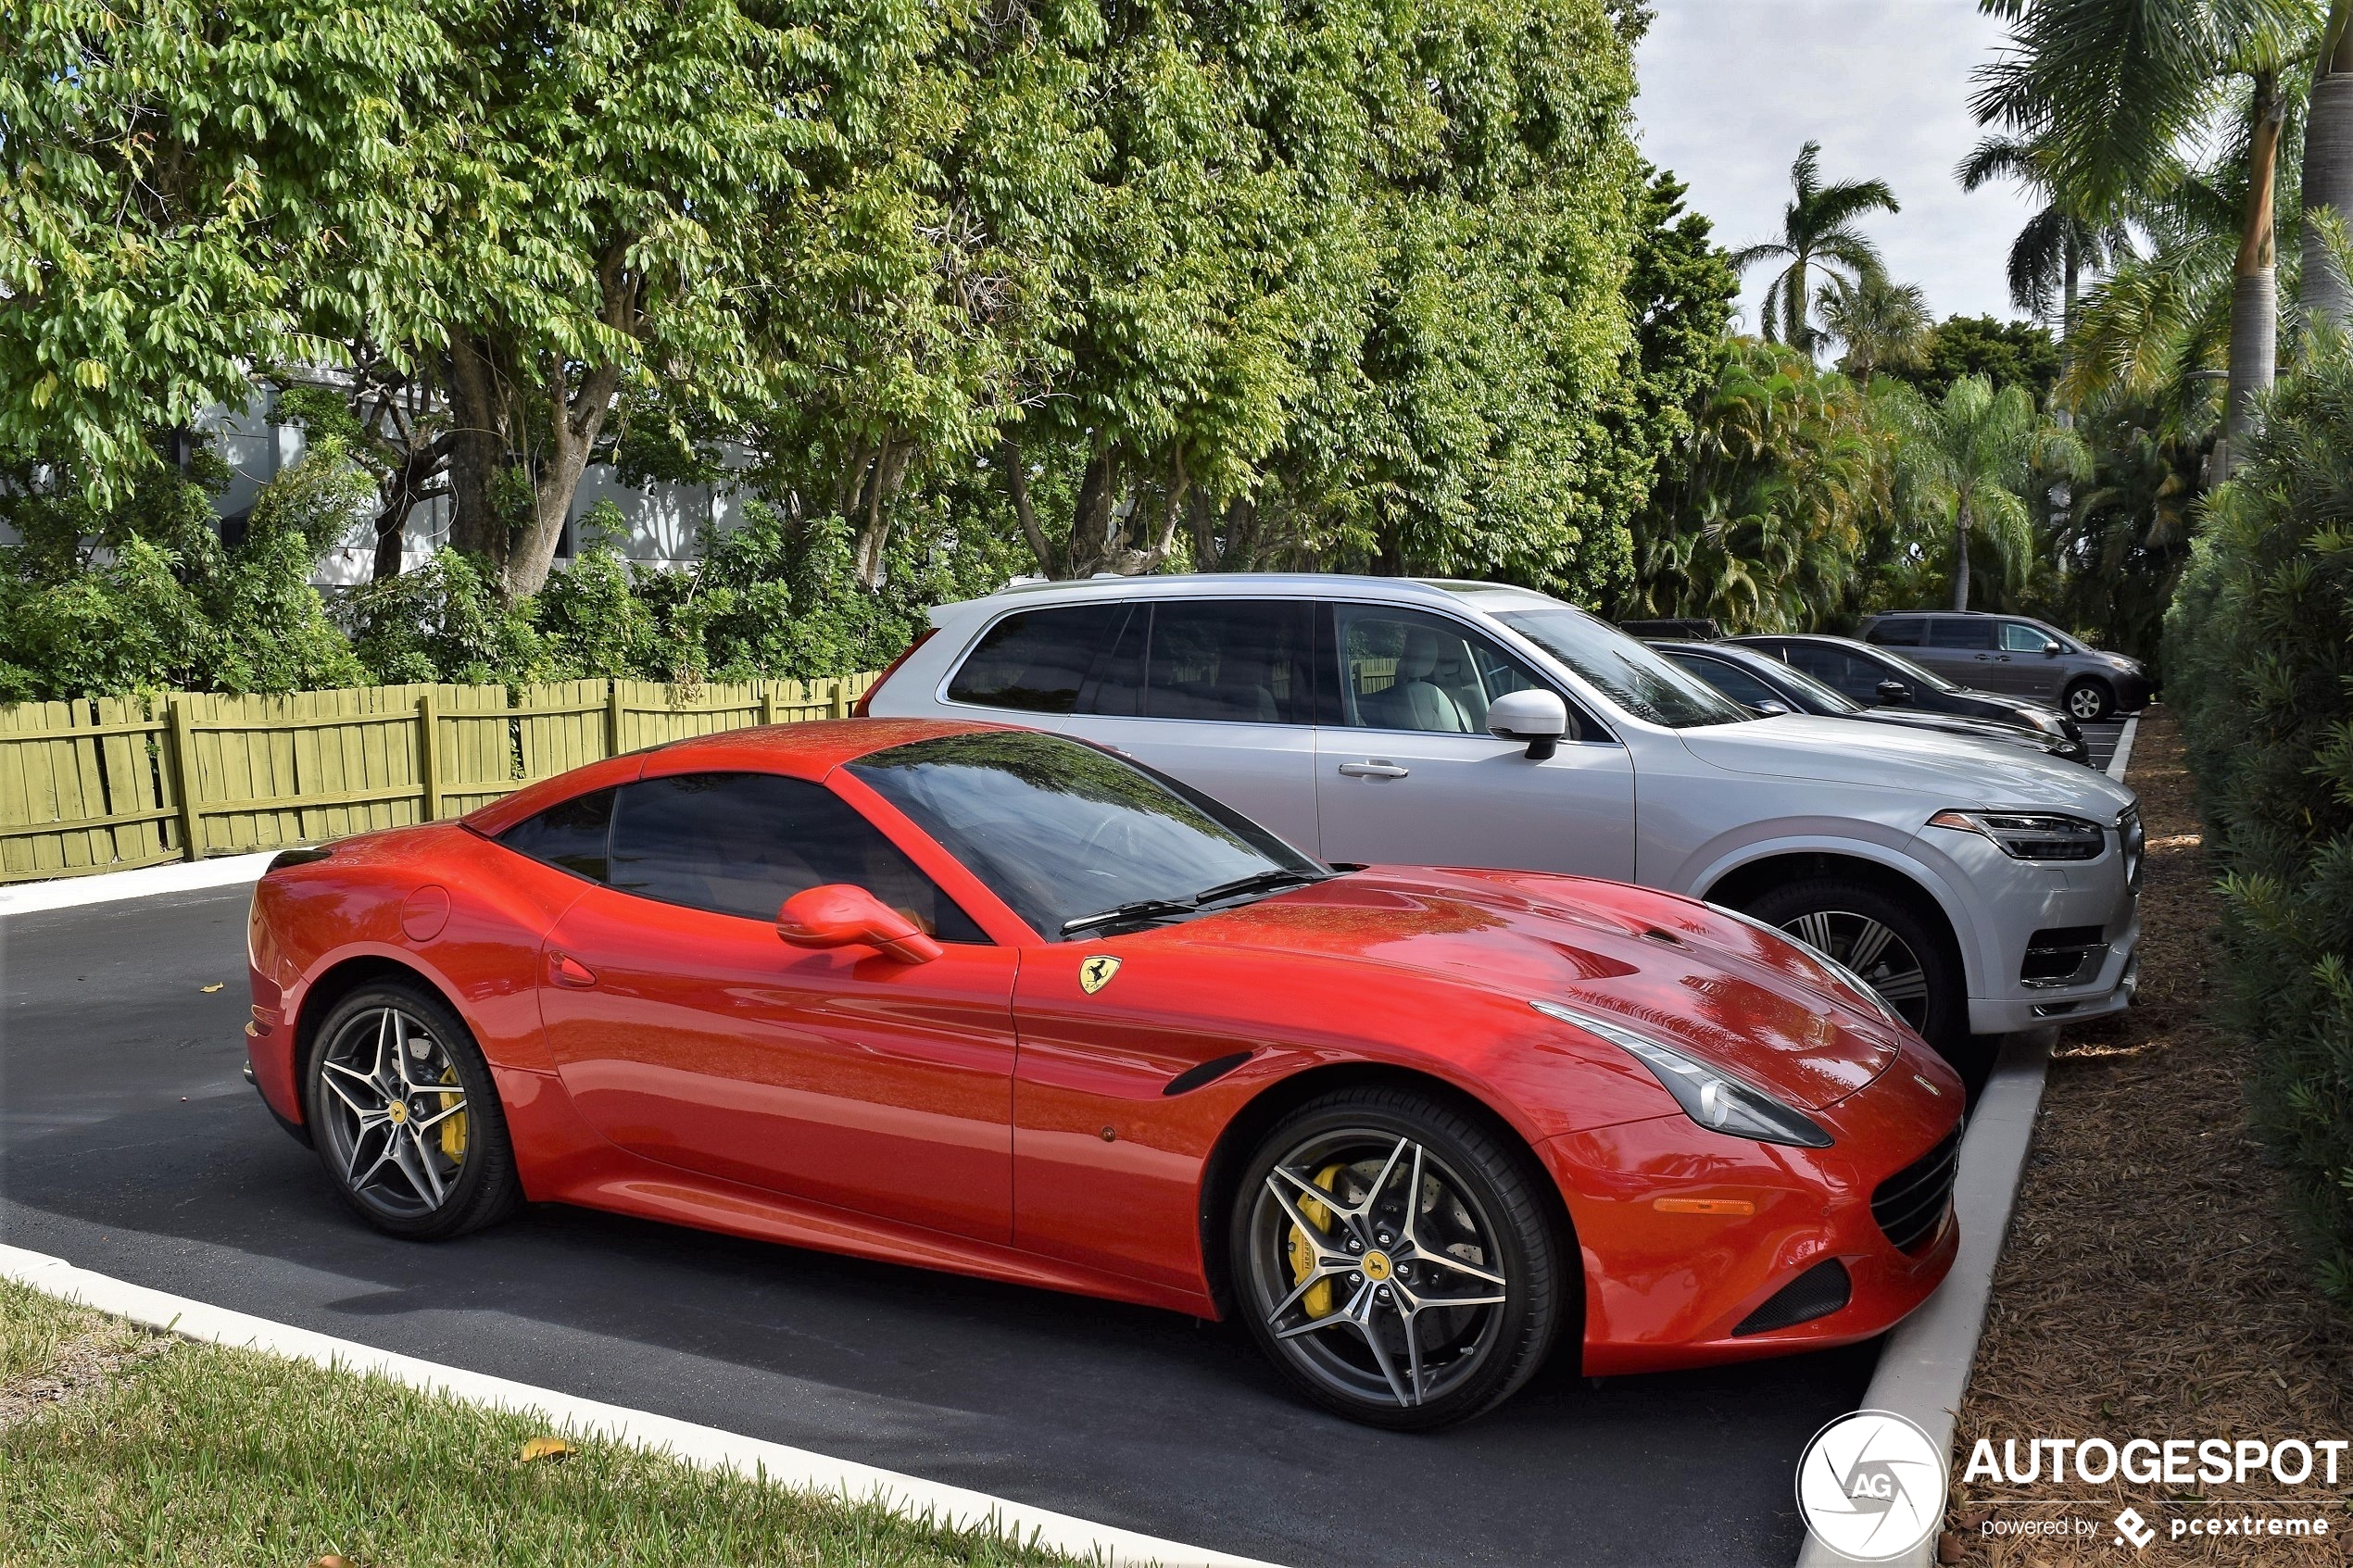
column 1710, row 1096
column 2030, row 835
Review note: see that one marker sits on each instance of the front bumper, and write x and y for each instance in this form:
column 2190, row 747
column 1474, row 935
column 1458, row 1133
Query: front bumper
column 2017, row 903
column 1666, row 1289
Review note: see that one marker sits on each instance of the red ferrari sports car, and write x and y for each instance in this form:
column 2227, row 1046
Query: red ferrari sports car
column 988, row 999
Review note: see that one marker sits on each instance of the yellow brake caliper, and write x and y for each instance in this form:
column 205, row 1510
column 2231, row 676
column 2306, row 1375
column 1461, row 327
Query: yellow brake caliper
column 1318, row 1300
column 453, row 1131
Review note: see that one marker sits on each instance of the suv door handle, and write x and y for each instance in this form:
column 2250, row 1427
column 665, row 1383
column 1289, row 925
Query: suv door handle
column 1373, row 770
column 567, row 971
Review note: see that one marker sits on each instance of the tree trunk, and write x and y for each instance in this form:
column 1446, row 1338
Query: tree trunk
column 2328, row 169
column 1960, row 556
column 479, row 443
column 874, row 535
column 2254, row 307
column 2062, row 494
column 1091, row 524
column 574, row 421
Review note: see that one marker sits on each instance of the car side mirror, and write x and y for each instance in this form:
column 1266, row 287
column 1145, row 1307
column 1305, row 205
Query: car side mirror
column 2052, row 650
column 1893, row 691
column 840, row 915
column 1768, row 709
column 1540, row 718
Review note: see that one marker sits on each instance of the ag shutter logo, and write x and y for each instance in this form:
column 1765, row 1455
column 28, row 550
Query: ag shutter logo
column 1872, row 1485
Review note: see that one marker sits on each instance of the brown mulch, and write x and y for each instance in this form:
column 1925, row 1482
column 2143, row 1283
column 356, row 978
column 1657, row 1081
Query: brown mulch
column 2151, row 1286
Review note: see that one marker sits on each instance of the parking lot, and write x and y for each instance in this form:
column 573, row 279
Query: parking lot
column 133, row 1146
column 2101, row 740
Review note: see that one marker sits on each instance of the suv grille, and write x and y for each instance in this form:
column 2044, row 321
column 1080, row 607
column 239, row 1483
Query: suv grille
column 2060, row 955
column 1911, row 1203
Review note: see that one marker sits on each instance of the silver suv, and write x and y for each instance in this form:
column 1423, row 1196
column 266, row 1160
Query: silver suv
column 2018, row 657
column 1980, row 888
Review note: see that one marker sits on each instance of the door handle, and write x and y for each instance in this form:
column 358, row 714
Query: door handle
column 1373, row 770
column 568, row 970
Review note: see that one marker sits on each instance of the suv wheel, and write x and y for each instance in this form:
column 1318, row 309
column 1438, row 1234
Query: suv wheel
column 1884, row 940
column 2089, row 701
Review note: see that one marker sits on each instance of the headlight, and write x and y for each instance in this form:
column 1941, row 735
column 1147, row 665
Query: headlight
column 1714, row 1098
column 1864, row 990
column 2030, row 835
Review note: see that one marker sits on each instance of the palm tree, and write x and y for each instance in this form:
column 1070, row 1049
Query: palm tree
column 1817, row 231
column 2327, row 180
column 2058, row 246
column 2111, row 91
column 1882, row 323
column 1970, row 459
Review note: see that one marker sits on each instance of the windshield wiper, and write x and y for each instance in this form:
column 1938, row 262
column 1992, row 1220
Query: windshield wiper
column 1141, row 909
column 1160, row 908
column 1256, row 882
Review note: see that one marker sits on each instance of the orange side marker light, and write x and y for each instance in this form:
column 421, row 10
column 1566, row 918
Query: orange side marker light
column 1703, row 1206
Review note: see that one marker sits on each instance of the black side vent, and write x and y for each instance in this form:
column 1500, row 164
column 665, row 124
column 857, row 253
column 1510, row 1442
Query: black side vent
column 2060, row 955
column 1817, row 1292
column 1207, row 1073
column 1910, row 1204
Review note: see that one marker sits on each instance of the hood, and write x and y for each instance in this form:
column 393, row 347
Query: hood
column 1961, row 724
column 1955, row 769
column 1666, row 966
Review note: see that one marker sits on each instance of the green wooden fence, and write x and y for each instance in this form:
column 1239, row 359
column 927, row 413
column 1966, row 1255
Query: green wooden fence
column 114, row 782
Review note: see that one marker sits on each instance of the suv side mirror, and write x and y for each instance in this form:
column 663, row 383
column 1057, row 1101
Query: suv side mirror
column 1892, row 690
column 1540, row 718
column 2052, row 650
column 840, row 915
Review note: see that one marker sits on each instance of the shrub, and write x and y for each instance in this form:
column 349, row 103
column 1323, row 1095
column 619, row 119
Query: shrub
column 2259, row 654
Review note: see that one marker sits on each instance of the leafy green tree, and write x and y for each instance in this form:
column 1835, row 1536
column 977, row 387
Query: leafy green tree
column 2005, row 353
column 1818, row 232
column 1971, row 459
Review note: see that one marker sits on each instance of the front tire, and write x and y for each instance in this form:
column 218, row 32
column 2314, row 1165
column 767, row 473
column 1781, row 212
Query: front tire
column 1885, row 940
column 1394, row 1258
column 2089, row 701
column 405, row 1116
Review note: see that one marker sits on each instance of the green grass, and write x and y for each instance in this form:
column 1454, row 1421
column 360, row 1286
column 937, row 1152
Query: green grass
column 204, row 1455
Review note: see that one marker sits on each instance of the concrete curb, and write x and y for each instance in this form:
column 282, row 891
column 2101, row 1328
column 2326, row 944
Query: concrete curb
column 183, row 876
column 705, row 1447
column 2124, row 758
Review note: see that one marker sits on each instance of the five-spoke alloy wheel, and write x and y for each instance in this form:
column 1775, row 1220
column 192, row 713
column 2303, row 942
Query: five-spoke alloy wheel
column 1394, row 1258
column 405, row 1117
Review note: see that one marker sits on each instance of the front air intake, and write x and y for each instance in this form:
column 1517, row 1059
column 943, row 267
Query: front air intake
column 1817, row 1292
column 1910, row 1204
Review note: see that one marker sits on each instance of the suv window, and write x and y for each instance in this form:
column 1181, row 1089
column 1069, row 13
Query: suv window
column 1035, row 660
column 2019, row 638
column 1897, row 631
column 1954, row 632
column 570, row 837
column 1236, row 661
column 1403, row 669
column 741, row 844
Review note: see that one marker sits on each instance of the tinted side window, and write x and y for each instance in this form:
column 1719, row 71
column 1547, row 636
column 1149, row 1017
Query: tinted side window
column 741, row 844
column 1952, row 632
column 571, row 836
column 2019, row 637
column 1898, row 631
column 1035, row 662
column 1839, row 669
column 1729, row 679
column 1232, row 661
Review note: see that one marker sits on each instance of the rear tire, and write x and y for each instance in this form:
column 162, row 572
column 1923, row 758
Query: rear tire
column 2088, row 701
column 1901, row 953
column 1435, row 1278
column 405, row 1115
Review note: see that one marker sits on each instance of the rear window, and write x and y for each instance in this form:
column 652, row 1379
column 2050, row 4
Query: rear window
column 1897, row 631
column 1035, row 660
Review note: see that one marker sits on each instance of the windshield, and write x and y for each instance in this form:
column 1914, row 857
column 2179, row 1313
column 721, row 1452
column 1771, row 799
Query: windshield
column 1637, row 678
column 1063, row 831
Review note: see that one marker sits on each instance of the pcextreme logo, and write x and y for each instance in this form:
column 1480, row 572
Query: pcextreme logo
column 1872, row 1485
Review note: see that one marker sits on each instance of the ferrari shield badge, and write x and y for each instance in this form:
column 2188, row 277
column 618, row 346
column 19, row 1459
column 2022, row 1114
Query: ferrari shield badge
column 1095, row 974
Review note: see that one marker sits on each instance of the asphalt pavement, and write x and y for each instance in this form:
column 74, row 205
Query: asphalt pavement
column 2101, row 739
column 129, row 1144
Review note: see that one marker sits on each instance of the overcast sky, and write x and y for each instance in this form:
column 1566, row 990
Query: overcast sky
column 1731, row 88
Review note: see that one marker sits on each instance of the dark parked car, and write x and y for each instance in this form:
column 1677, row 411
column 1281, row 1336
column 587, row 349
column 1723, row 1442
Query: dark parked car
column 1747, row 675
column 1881, row 677
column 2017, row 657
